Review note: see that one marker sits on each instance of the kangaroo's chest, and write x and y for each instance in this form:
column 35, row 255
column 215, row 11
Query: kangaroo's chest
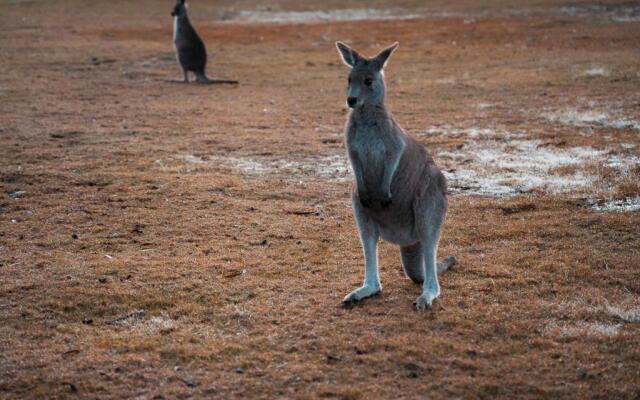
column 367, row 143
column 176, row 29
column 179, row 30
column 367, row 146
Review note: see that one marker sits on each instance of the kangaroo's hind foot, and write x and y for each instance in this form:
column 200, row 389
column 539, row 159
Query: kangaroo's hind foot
column 446, row 263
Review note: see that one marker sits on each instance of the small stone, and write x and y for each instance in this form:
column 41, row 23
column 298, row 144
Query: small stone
column 189, row 383
column 211, row 390
column 16, row 194
column 332, row 359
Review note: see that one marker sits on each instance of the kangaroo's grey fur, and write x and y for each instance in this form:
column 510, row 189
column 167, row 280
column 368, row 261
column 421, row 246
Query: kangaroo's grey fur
column 190, row 50
column 400, row 194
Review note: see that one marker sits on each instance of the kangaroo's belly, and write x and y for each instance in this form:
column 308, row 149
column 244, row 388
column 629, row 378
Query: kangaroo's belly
column 396, row 228
column 396, row 222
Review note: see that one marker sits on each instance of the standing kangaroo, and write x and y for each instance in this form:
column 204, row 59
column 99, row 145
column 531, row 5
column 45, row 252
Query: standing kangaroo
column 400, row 194
column 190, row 50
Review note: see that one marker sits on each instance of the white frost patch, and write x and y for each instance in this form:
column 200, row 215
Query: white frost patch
column 575, row 117
column 383, row 14
column 624, row 205
column 624, row 124
column 154, row 325
column 136, row 321
column 246, row 165
column 506, row 169
column 445, row 81
column 472, row 133
column 628, row 314
column 582, row 329
column 596, row 71
column 191, row 159
column 626, row 18
column 592, row 329
column 622, row 163
column 298, row 17
column 484, row 106
column 490, row 162
column 330, row 167
column 613, row 12
column 334, row 167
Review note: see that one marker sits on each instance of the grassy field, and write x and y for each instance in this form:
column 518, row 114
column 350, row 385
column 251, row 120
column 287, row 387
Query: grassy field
column 161, row 240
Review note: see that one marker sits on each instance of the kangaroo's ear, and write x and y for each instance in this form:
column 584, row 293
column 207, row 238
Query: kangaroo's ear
column 182, row 2
column 349, row 56
column 382, row 57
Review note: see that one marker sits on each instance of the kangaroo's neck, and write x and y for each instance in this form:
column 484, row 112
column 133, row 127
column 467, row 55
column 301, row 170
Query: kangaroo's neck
column 371, row 114
column 180, row 25
column 182, row 19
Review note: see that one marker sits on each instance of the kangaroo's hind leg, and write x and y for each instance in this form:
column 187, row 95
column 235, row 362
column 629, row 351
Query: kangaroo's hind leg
column 369, row 235
column 201, row 77
column 430, row 211
column 412, row 262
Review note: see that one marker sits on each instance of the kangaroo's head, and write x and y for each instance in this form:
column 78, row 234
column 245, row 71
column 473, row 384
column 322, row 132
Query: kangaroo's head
column 180, row 9
column 366, row 79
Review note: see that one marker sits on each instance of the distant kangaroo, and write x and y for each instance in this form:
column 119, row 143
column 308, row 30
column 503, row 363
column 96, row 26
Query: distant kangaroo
column 400, row 193
column 190, row 50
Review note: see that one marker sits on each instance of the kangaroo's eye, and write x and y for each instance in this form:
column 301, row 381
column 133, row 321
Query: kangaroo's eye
column 368, row 81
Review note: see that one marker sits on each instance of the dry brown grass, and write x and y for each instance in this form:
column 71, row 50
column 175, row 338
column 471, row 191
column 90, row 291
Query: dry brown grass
column 126, row 271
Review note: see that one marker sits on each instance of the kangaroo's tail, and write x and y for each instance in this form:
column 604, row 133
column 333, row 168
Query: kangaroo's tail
column 446, row 262
column 201, row 77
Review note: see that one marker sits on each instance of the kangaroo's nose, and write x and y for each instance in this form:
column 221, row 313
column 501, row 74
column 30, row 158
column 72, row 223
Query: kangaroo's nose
column 351, row 101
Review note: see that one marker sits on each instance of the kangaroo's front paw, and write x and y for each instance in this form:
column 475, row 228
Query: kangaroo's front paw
column 365, row 199
column 385, row 202
column 383, row 198
column 360, row 293
column 366, row 202
column 425, row 300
